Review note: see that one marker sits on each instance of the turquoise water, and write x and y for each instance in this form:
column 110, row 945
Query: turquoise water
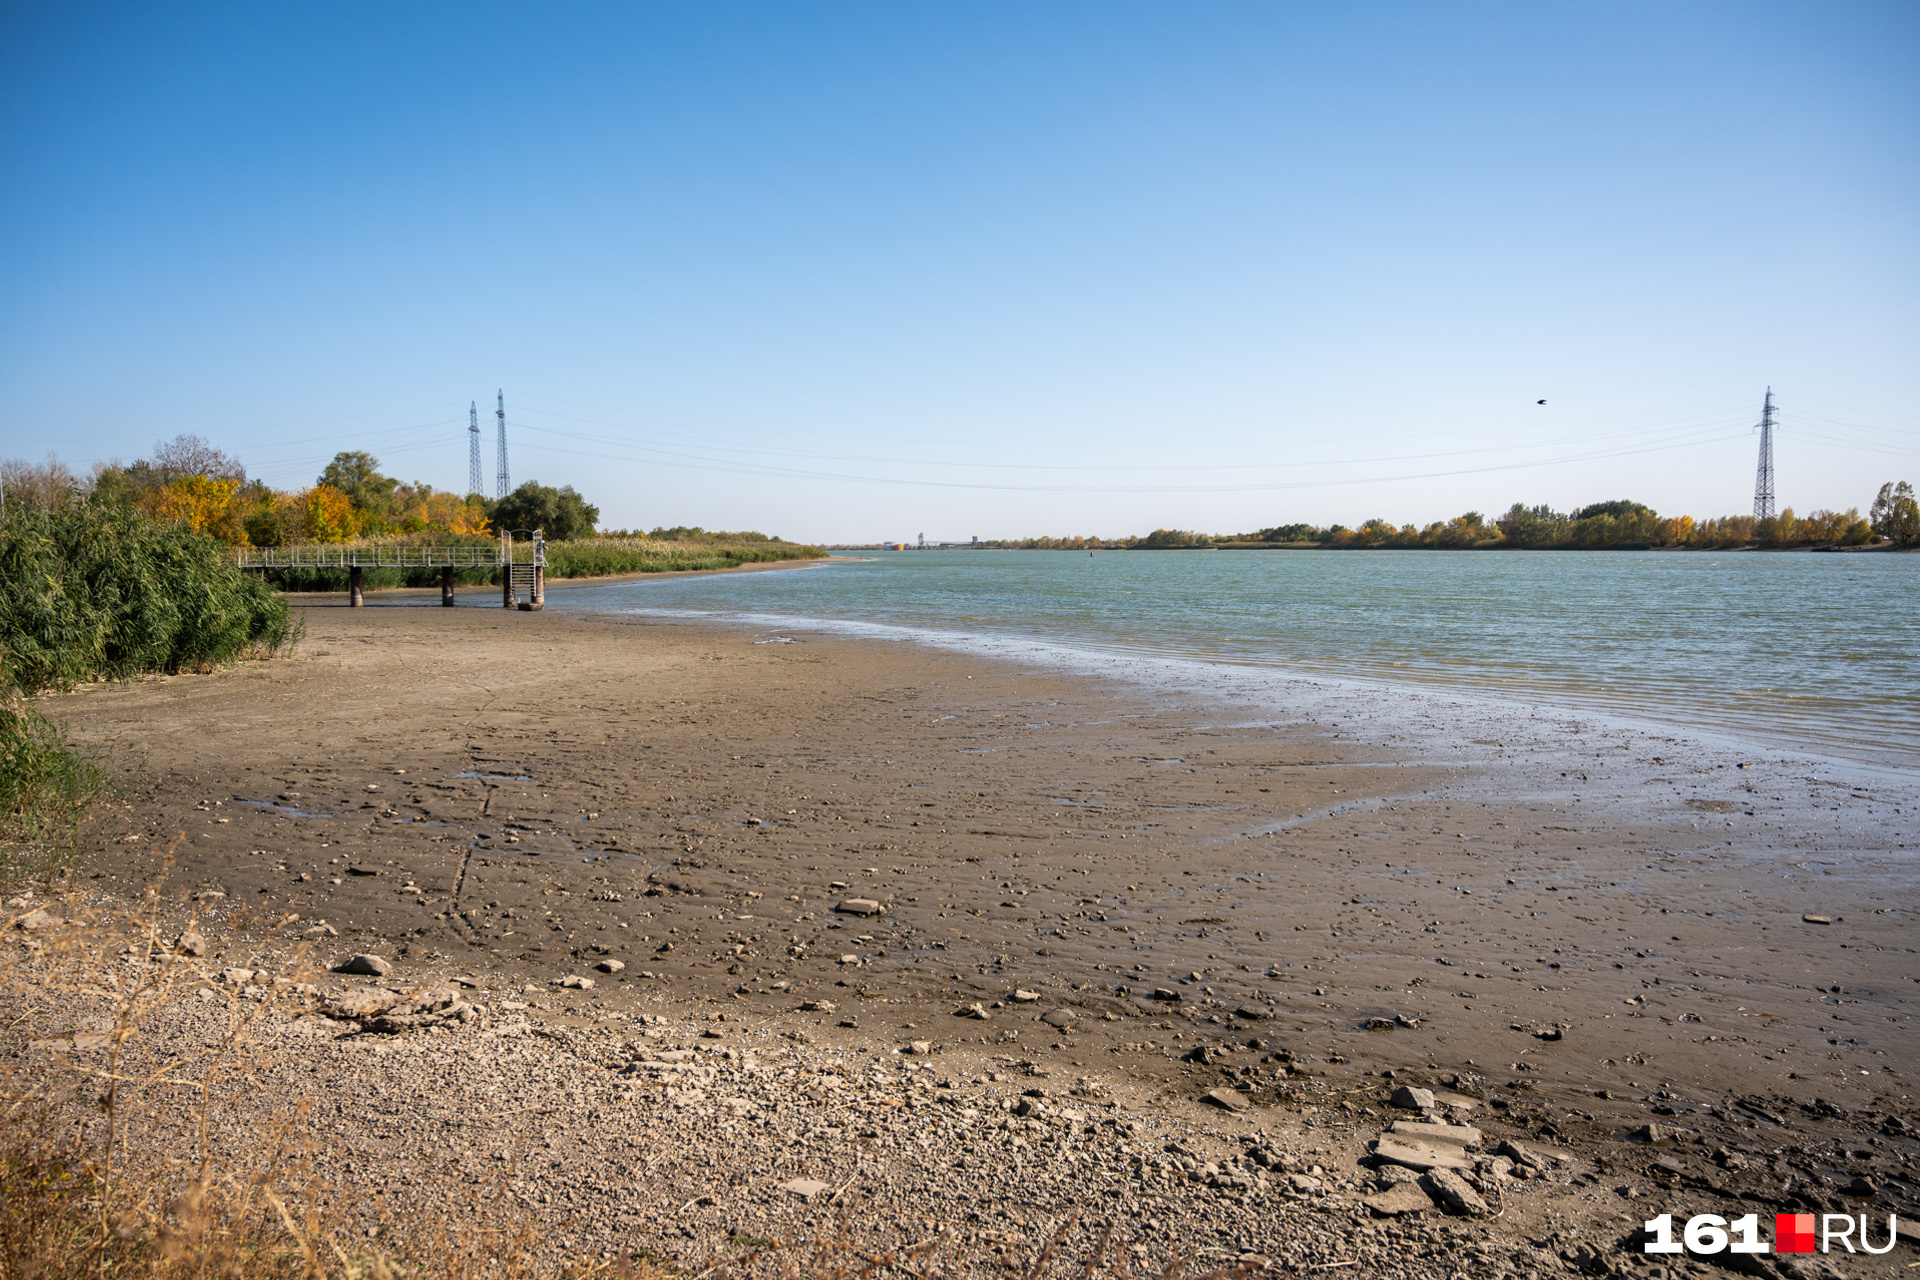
column 1815, row 652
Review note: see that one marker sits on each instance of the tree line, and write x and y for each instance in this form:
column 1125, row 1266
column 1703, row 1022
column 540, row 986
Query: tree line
column 1618, row 525
column 189, row 481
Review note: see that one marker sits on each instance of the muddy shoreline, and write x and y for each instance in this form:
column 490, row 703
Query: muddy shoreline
column 516, row 798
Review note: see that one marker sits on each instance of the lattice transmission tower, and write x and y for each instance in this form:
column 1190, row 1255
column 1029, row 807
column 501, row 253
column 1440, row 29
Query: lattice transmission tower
column 475, row 480
column 1763, row 476
column 500, row 414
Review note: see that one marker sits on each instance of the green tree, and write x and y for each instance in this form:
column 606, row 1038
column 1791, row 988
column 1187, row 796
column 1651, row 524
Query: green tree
column 1896, row 515
column 1525, row 526
column 1292, row 533
column 356, row 473
column 564, row 514
column 1174, row 538
column 1377, row 530
column 1461, row 531
column 1617, row 509
column 120, row 486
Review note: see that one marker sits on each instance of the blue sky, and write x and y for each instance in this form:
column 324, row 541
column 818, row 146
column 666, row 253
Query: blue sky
column 854, row 271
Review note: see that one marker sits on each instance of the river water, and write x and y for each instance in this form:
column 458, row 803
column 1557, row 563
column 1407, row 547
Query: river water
column 1815, row 653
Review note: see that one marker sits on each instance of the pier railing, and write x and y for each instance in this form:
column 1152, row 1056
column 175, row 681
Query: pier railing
column 522, row 565
column 376, row 557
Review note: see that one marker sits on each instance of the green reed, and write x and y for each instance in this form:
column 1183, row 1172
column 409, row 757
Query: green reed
column 91, row 592
column 583, row 558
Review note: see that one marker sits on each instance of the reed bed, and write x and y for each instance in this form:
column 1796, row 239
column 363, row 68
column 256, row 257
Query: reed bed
column 92, row 592
column 582, row 558
column 46, row 787
column 604, row 557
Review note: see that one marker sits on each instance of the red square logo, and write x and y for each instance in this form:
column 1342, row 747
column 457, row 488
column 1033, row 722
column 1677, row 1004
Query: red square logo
column 1793, row 1233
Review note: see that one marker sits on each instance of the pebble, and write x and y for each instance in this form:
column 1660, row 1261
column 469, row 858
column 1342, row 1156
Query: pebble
column 1521, row 1154
column 805, row 1188
column 1451, row 1190
column 860, row 907
column 1170, row 1167
column 975, row 1010
column 363, row 1002
column 1817, row 919
column 39, row 918
column 1420, row 1155
column 1463, row 1135
column 372, row 966
column 611, row 966
column 1408, row 1098
column 1400, row 1198
column 574, row 982
column 190, row 943
column 1026, row 997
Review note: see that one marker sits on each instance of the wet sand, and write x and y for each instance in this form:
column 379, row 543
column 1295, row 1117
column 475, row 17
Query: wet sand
column 1594, row 939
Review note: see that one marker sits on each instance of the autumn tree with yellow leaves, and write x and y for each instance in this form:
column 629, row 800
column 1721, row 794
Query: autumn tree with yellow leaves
column 189, row 481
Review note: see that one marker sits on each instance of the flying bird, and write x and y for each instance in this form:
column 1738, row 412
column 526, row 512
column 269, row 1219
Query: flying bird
column 1539, row 401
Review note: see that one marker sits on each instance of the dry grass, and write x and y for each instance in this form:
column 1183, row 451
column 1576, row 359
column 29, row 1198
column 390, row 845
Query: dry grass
column 114, row 1158
column 129, row 1148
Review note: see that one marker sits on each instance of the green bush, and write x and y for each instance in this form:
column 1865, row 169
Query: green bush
column 46, row 785
column 91, row 592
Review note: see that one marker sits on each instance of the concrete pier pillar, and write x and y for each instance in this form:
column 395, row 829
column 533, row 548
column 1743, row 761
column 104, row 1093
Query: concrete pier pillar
column 539, row 589
column 446, row 585
column 355, row 598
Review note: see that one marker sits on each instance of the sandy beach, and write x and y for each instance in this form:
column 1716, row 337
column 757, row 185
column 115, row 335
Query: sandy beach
column 823, row 845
